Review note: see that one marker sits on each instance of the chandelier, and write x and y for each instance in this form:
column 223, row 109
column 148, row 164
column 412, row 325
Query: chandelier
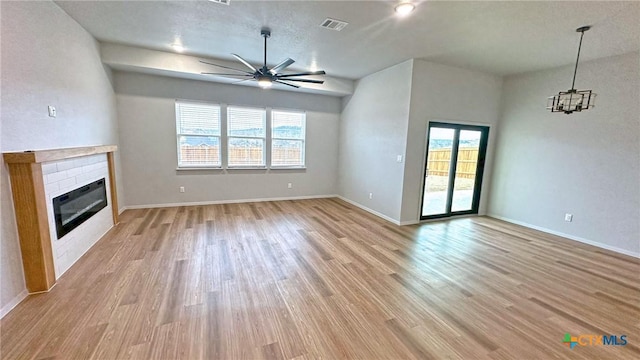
column 572, row 99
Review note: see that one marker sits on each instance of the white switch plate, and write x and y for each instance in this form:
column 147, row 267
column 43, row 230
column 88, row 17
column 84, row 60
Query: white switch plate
column 52, row 111
column 181, row 189
column 289, row 185
column 370, row 195
column 568, row 217
column 399, row 158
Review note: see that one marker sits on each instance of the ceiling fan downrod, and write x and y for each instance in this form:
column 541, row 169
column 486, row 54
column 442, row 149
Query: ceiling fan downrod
column 266, row 33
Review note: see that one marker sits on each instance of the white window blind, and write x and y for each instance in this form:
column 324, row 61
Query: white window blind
column 198, row 132
column 246, row 131
column 287, row 138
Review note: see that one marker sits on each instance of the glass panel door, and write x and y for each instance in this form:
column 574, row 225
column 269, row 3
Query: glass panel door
column 438, row 168
column 453, row 174
column 466, row 168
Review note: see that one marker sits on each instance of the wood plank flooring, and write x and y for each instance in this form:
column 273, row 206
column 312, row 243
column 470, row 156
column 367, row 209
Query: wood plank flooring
column 320, row 278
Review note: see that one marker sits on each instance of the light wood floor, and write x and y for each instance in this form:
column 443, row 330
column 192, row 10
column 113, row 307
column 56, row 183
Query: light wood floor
column 323, row 279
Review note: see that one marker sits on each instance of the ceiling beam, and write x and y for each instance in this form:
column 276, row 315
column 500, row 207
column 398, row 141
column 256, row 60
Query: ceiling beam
column 135, row 59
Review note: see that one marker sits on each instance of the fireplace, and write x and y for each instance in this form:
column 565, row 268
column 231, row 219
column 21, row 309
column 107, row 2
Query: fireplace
column 38, row 177
column 77, row 206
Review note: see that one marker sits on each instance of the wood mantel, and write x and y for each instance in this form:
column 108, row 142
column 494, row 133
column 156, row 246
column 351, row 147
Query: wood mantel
column 40, row 156
column 30, row 205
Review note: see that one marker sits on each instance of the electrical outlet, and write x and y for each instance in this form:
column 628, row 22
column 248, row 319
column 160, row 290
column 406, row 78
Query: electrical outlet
column 399, row 158
column 568, row 217
column 52, row 111
column 289, row 185
column 181, row 189
column 370, row 195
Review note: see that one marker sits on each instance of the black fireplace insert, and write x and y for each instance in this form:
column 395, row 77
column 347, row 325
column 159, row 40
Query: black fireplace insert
column 77, row 206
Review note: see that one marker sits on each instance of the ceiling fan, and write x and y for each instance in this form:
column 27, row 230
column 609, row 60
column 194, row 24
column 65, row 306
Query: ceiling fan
column 265, row 76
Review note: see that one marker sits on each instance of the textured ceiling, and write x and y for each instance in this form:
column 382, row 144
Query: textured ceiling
column 496, row 37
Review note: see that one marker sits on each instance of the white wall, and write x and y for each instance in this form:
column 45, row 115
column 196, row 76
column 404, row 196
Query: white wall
column 447, row 94
column 587, row 163
column 373, row 132
column 146, row 111
column 47, row 59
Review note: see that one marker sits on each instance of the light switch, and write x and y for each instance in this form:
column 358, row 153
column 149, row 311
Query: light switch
column 52, row 111
column 399, row 158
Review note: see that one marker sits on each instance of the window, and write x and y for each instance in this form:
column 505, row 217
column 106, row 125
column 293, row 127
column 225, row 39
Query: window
column 198, row 131
column 246, row 131
column 287, row 138
column 227, row 137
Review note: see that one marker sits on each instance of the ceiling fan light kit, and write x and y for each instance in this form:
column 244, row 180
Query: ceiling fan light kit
column 264, row 76
column 573, row 100
column 265, row 82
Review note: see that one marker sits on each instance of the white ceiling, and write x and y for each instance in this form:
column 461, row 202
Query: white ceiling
column 496, row 37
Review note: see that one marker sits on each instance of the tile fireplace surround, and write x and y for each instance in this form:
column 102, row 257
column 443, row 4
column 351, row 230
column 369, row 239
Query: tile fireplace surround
column 36, row 178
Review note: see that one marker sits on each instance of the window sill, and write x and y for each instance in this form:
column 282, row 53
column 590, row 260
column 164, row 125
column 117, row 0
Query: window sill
column 196, row 168
column 209, row 168
column 231, row 168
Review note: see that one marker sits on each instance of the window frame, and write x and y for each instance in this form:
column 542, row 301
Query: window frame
column 303, row 140
column 224, row 138
column 180, row 134
column 265, row 159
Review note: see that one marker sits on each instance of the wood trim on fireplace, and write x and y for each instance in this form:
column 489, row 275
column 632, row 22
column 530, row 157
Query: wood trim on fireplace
column 112, row 181
column 30, row 208
column 33, row 227
column 40, row 156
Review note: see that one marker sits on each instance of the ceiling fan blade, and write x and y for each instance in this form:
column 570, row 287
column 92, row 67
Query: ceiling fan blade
column 236, row 82
column 282, row 82
column 319, row 72
column 220, row 74
column 225, row 67
column 285, row 63
column 307, row 81
column 244, row 62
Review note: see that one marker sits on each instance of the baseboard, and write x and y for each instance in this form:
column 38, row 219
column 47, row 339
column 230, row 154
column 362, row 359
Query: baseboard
column 44, row 291
column 376, row 213
column 218, row 202
column 409, row 222
column 13, row 303
column 568, row 236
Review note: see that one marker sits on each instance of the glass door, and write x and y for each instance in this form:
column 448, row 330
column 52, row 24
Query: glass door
column 454, row 165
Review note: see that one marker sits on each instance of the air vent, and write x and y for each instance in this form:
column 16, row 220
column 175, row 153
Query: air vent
column 333, row 24
column 225, row 2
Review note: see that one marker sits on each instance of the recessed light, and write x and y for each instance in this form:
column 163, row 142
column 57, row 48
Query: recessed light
column 177, row 47
column 404, row 8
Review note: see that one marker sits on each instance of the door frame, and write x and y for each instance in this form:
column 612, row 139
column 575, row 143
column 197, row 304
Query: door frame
column 482, row 157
